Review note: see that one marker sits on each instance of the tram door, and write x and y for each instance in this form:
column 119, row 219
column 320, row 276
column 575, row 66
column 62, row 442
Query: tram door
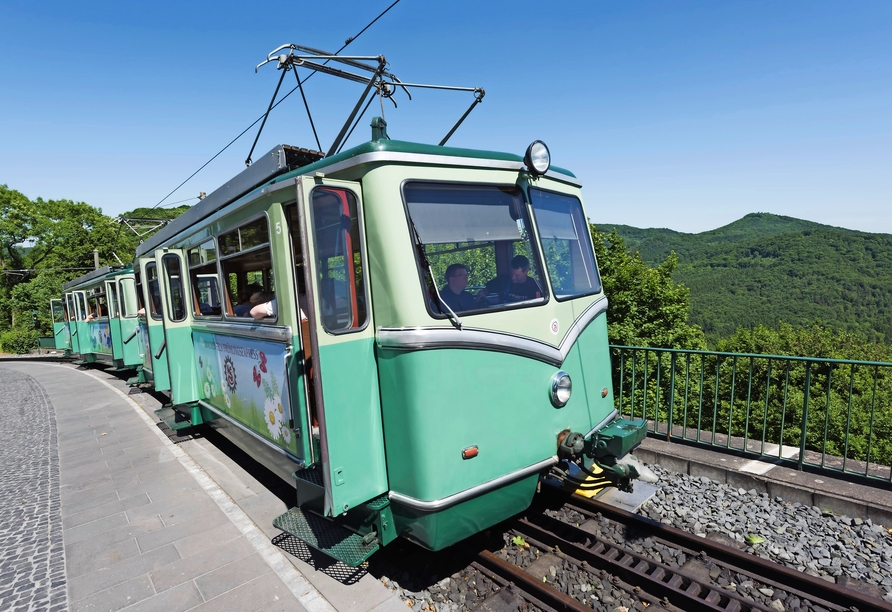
column 342, row 342
column 156, row 351
column 80, row 333
column 127, row 311
column 114, row 320
column 61, row 333
column 174, row 290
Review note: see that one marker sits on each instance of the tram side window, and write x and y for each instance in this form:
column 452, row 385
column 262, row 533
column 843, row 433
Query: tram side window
column 246, row 260
column 112, row 294
column 140, row 305
column 339, row 265
column 154, row 290
column 96, row 306
column 482, row 230
column 72, row 307
column 127, row 297
column 206, row 292
column 566, row 244
column 176, row 296
column 58, row 312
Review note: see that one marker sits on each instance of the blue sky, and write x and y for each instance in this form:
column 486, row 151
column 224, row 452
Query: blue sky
column 686, row 115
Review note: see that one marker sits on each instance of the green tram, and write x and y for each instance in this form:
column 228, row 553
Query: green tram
column 303, row 310
column 97, row 318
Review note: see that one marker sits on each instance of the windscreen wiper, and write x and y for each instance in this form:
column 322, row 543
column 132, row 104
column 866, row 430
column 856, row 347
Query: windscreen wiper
column 422, row 256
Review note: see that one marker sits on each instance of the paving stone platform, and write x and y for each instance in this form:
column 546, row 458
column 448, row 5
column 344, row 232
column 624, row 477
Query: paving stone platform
column 102, row 509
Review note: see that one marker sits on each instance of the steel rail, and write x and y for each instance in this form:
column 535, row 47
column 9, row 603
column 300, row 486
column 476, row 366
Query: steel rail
column 505, row 598
column 545, row 593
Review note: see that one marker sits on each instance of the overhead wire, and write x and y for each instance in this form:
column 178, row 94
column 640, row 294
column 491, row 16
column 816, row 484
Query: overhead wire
column 231, row 142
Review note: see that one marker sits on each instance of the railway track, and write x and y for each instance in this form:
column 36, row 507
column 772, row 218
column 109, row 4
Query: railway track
column 707, row 575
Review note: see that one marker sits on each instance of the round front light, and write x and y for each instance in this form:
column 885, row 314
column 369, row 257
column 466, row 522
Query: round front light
column 537, row 158
column 561, row 388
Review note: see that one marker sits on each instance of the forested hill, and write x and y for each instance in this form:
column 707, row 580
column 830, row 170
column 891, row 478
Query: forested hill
column 767, row 268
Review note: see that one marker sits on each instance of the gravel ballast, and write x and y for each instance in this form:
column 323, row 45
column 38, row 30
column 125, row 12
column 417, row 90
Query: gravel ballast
column 839, row 549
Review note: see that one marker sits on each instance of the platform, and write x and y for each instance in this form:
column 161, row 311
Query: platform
column 142, row 518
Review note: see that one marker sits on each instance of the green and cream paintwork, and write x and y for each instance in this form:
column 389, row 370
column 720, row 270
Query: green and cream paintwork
column 99, row 339
column 399, row 398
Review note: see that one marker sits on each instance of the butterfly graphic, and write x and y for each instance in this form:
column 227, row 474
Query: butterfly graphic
column 262, row 362
column 257, row 377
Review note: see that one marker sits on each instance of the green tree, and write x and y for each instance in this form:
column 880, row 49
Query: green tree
column 45, row 243
column 647, row 308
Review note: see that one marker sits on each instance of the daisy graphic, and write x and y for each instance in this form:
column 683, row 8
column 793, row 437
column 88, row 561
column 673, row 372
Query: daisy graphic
column 273, row 418
column 229, row 373
column 286, row 435
column 228, row 400
column 207, row 390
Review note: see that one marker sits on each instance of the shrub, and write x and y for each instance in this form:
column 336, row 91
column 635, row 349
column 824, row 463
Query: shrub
column 17, row 341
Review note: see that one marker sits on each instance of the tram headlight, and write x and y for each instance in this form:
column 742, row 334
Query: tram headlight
column 561, row 388
column 537, row 158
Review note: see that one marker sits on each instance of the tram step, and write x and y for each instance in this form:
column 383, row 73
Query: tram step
column 328, row 537
column 172, row 418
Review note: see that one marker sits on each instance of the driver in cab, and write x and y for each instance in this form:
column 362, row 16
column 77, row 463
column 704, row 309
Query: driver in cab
column 516, row 286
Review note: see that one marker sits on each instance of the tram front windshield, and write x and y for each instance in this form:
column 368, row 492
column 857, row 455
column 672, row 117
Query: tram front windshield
column 483, row 230
column 478, row 243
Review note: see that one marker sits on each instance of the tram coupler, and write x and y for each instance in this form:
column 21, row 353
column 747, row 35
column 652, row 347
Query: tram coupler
column 608, row 447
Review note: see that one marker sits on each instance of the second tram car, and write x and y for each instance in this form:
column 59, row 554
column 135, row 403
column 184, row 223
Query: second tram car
column 97, row 318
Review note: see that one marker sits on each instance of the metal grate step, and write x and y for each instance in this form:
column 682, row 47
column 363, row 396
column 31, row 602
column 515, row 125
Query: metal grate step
column 172, row 418
column 326, row 536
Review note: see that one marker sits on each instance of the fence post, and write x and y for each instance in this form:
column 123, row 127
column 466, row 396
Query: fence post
column 804, row 415
column 673, row 358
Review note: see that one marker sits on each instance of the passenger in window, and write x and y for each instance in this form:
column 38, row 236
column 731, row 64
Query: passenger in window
column 516, row 286
column 264, row 305
column 243, row 308
column 453, row 293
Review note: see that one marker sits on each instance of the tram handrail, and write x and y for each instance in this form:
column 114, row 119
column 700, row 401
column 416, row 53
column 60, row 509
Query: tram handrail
column 831, row 416
column 161, row 348
column 131, row 336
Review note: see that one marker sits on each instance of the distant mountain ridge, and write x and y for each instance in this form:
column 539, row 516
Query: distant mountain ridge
column 764, row 269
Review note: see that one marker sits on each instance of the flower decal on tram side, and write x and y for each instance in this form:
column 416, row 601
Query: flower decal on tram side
column 229, row 373
column 273, row 411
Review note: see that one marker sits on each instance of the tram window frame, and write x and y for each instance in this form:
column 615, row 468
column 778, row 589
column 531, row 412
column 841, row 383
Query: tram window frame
column 57, row 309
column 202, row 261
column 358, row 315
column 72, row 306
column 503, row 251
column 176, row 299
column 154, row 288
column 95, row 304
column 585, row 247
column 126, row 291
column 239, row 266
column 140, row 302
column 111, row 298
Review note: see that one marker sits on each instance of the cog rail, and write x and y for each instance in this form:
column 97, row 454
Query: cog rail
column 685, row 589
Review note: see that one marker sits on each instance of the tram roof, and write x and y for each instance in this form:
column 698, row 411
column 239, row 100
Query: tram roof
column 97, row 274
column 284, row 162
